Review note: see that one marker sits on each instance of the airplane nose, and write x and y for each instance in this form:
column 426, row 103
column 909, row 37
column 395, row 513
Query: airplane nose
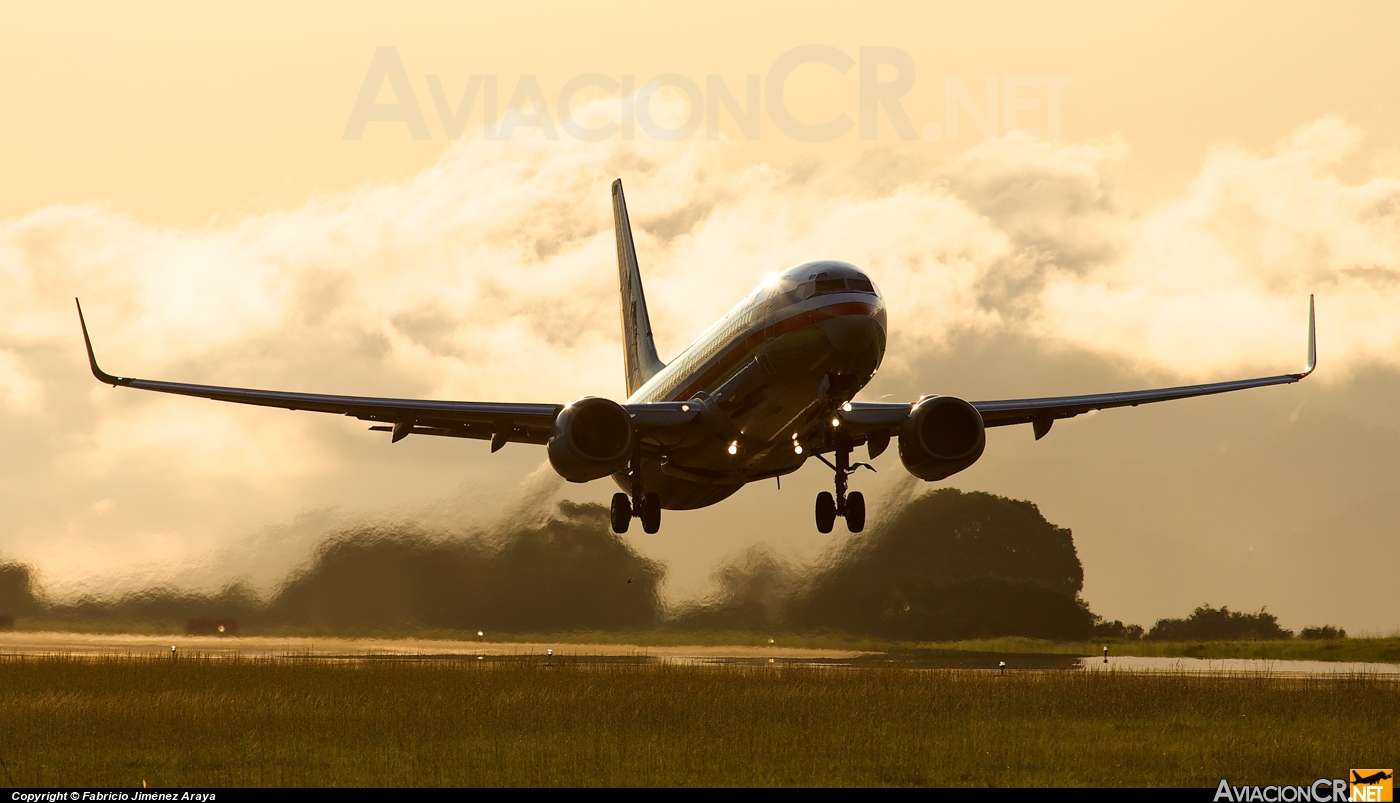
column 851, row 334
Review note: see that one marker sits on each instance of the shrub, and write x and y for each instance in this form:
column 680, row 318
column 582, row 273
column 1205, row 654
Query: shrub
column 1220, row 624
column 1322, row 633
column 1116, row 630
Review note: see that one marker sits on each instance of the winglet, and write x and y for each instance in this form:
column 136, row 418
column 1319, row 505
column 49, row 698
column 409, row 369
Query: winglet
column 1312, row 340
column 101, row 375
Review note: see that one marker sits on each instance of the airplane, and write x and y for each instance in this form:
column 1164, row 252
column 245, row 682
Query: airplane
column 1374, row 778
column 769, row 385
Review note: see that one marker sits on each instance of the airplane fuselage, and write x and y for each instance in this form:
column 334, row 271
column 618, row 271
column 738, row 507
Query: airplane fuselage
column 767, row 375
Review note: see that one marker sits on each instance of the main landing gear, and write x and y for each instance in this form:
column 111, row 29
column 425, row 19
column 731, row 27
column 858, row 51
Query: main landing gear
column 849, row 506
column 645, row 506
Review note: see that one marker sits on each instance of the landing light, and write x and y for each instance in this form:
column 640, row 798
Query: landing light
column 846, row 407
column 835, row 422
column 734, row 447
column 797, row 448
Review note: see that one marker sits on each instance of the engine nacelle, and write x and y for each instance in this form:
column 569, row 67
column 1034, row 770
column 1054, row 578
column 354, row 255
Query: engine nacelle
column 942, row 436
column 591, row 439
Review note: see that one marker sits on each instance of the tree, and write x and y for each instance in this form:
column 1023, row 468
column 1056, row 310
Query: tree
column 952, row 565
column 1222, row 624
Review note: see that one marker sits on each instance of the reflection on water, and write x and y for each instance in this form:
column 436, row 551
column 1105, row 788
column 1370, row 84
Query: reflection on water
column 906, row 659
column 1133, row 663
column 957, row 659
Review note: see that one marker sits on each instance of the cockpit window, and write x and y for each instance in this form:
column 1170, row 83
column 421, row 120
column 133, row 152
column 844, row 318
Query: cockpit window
column 823, row 284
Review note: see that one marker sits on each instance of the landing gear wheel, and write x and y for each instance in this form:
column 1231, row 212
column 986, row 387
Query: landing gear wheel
column 621, row 513
column 826, row 512
column 651, row 513
column 855, row 511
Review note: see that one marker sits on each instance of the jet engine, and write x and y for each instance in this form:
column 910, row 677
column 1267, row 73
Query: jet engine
column 942, row 436
column 591, row 439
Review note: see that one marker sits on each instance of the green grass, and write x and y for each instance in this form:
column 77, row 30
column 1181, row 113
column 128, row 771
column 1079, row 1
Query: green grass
column 197, row 722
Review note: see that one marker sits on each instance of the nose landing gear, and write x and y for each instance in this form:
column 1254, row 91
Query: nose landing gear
column 849, row 506
column 644, row 506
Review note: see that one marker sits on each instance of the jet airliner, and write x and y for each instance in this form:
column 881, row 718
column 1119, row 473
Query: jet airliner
column 768, row 386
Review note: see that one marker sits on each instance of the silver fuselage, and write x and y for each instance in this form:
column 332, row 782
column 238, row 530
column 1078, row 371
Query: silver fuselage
column 767, row 375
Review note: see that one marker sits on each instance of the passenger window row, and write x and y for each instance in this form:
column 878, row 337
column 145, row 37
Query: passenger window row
column 688, row 362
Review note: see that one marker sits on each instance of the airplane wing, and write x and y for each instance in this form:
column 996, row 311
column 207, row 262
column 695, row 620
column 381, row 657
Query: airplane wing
column 1042, row 413
column 499, row 423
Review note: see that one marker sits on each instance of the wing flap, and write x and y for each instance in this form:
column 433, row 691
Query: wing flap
column 479, row 432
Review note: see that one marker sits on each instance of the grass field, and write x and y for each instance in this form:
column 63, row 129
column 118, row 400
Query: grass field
column 197, row 722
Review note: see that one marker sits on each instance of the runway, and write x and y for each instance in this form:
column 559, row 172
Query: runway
column 89, row 645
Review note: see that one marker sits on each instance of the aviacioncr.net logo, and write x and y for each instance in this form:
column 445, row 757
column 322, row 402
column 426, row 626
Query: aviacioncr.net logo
column 1372, row 786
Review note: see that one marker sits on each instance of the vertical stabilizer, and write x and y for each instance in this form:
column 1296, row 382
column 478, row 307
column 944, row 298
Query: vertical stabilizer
column 639, row 350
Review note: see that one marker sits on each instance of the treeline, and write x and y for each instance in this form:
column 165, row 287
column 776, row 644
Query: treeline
column 1215, row 624
column 946, row 565
column 567, row 572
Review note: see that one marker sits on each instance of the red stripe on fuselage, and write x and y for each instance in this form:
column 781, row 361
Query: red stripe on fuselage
column 741, row 349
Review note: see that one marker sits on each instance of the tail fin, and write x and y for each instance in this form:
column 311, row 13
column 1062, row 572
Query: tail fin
column 639, row 350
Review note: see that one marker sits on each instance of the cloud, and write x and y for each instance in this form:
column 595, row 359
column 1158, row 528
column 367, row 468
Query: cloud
column 491, row 276
column 20, row 394
column 1213, row 282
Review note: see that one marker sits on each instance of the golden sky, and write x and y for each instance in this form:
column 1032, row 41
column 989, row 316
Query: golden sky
column 179, row 113
column 186, row 170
